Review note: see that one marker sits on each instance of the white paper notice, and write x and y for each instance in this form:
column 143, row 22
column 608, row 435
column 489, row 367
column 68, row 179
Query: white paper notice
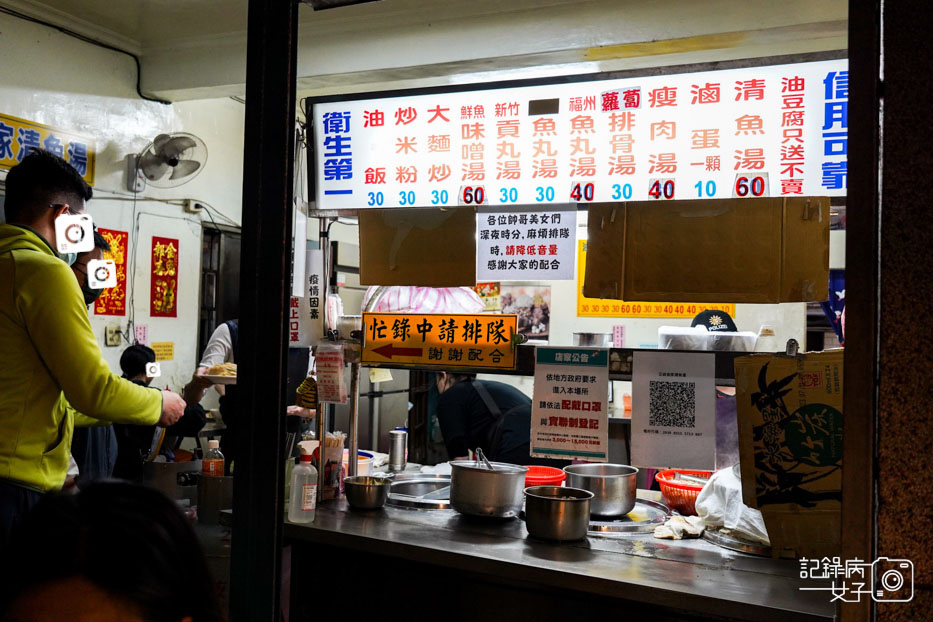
column 298, row 251
column 569, row 418
column 526, row 245
column 331, row 385
column 674, row 410
column 305, row 327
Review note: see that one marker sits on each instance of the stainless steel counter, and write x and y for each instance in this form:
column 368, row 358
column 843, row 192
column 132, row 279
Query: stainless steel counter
column 690, row 575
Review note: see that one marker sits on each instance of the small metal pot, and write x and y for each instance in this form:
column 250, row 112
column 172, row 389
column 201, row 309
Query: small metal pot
column 478, row 491
column 613, row 486
column 365, row 492
column 557, row 513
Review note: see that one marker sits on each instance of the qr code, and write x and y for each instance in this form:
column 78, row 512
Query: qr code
column 672, row 404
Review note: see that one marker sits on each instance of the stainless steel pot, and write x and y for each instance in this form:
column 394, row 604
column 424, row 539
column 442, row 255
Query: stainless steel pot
column 557, row 513
column 477, row 491
column 612, row 485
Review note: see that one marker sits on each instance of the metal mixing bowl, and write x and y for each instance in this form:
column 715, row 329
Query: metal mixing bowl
column 557, row 513
column 613, row 486
column 365, row 492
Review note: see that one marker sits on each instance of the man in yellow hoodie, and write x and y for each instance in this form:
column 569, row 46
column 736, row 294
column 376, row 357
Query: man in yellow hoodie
column 50, row 355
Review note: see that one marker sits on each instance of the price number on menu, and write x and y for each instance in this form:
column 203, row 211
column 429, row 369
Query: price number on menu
column 582, row 191
column 473, row 195
column 661, row 188
column 751, row 186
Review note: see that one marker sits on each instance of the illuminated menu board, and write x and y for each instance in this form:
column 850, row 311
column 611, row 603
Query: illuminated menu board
column 778, row 130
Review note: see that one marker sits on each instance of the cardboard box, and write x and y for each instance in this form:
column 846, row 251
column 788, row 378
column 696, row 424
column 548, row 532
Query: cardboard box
column 790, row 446
column 733, row 250
column 430, row 247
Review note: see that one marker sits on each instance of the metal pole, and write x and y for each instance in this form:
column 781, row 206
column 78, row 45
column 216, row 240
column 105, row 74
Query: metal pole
column 324, row 243
column 268, row 201
column 354, row 417
column 374, row 408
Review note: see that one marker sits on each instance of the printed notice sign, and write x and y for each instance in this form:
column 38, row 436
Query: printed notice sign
column 532, row 245
column 569, row 418
column 674, row 410
column 445, row 340
column 331, row 385
column 164, row 350
column 305, row 327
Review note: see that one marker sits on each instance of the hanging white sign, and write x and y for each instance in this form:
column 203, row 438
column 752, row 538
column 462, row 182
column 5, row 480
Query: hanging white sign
column 674, row 410
column 569, row 415
column 525, row 245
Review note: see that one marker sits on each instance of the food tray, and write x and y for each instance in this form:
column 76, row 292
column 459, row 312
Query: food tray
column 734, row 543
column 644, row 517
column 424, row 487
column 221, row 379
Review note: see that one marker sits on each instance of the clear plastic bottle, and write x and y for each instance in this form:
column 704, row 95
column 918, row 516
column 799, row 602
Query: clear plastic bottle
column 212, row 465
column 303, row 495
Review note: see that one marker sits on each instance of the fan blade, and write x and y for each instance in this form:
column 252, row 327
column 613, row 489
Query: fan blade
column 185, row 168
column 159, row 141
column 152, row 166
column 173, row 147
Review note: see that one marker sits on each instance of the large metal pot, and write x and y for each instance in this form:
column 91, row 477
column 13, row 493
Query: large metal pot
column 557, row 513
column 477, row 491
column 613, row 486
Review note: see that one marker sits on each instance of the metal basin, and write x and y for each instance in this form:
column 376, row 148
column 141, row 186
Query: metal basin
column 420, row 491
column 557, row 513
column 477, row 491
column 365, row 492
column 612, row 485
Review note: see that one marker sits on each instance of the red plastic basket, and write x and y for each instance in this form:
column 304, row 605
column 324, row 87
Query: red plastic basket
column 544, row 476
column 681, row 495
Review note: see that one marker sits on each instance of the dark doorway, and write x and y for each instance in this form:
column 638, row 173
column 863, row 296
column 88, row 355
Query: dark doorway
column 220, row 280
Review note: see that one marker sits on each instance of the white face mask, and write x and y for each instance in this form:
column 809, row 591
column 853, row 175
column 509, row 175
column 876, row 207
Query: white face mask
column 69, row 258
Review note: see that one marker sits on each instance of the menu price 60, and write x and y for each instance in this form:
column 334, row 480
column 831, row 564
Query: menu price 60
column 750, row 185
column 473, row 195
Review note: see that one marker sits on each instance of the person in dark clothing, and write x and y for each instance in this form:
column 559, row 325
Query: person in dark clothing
column 483, row 413
column 137, row 443
column 93, row 448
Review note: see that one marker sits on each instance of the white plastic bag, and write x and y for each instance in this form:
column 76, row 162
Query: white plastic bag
column 719, row 504
column 410, row 299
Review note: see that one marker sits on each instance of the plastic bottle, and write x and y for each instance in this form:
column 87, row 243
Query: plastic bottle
column 213, row 463
column 303, row 495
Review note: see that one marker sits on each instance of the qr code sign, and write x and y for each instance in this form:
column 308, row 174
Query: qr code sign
column 672, row 404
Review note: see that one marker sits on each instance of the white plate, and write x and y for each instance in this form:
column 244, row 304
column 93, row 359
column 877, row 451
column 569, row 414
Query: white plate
column 221, row 379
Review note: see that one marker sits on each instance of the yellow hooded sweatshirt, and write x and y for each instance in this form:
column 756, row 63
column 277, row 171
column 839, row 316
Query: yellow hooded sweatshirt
column 48, row 354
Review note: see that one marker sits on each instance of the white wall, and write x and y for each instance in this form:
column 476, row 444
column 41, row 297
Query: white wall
column 60, row 81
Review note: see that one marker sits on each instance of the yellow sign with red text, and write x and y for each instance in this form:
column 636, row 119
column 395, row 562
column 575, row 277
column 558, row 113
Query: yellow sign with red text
column 19, row 136
column 446, row 340
column 595, row 307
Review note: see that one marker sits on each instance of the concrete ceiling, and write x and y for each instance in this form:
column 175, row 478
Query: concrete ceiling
column 193, row 49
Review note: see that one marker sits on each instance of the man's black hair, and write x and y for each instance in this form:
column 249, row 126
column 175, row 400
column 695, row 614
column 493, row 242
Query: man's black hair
column 129, row 541
column 100, row 242
column 33, row 184
column 134, row 359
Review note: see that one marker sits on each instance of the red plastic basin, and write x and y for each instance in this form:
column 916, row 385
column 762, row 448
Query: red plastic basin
column 544, row 476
